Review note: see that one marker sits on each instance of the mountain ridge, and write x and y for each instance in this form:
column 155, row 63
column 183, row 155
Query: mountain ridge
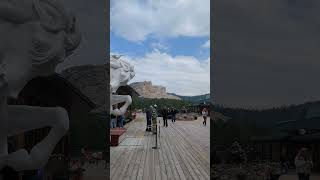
column 195, row 99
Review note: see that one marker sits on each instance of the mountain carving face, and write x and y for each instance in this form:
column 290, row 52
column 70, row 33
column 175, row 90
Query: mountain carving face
column 147, row 90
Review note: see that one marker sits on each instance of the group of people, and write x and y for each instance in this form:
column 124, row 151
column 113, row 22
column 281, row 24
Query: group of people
column 166, row 112
column 116, row 121
column 302, row 161
column 304, row 164
column 152, row 114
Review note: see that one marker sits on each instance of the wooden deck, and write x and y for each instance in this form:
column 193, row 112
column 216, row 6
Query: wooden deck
column 183, row 152
column 295, row 177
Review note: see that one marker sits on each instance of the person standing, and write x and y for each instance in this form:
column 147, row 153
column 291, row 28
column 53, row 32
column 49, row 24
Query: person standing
column 113, row 119
column 284, row 163
column 204, row 115
column 121, row 120
column 173, row 114
column 303, row 163
column 149, row 116
column 164, row 113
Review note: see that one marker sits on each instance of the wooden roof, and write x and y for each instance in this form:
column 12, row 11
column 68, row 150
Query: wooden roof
column 54, row 83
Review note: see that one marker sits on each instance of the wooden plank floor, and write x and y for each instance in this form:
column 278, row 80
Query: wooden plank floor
column 183, row 152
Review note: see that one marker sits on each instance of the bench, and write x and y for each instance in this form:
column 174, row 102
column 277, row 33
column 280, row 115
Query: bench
column 116, row 136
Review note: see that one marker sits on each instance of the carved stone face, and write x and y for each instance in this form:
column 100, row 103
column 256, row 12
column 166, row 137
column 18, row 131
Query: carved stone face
column 33, row 46
column 16, row 59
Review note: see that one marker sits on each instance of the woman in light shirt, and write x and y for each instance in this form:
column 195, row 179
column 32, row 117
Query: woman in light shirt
column 204, row 115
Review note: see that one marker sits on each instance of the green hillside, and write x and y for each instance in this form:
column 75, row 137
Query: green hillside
column 195, row 99
column 142, row 103
column 245, row 123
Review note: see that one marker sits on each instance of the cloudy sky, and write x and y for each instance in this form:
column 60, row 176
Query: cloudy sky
column 166, row 40
column 267, row 52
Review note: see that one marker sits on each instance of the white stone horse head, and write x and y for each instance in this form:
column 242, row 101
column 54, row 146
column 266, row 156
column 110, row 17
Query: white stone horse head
column 121, row 72
column 36, row 35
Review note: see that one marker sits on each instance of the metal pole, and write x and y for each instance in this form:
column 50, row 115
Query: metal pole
column 156, row 147
column 159, row 128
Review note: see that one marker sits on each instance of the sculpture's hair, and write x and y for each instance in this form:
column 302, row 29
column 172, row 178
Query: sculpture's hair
column 126, row 70
column 116, row 62
column 60, row 36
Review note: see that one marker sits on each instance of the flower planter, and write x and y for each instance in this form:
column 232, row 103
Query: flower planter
column 275, row 176
column 241, row 175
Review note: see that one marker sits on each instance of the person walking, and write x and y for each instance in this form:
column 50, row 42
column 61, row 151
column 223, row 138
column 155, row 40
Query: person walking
column 304, row 164
column 148, row 117
column 204, row 115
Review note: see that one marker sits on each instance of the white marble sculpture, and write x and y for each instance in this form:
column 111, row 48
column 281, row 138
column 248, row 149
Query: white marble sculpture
column 121, row 72
column 36, row 35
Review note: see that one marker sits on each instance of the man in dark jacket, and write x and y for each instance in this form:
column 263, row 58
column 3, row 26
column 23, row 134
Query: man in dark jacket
column 173, row 114
column 164, row 113
column 148, row 116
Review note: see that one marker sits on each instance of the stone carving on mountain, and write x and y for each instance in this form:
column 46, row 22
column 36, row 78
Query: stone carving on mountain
column 147, row 90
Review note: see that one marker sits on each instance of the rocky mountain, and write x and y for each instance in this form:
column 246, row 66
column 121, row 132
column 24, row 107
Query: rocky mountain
column 92, row 81
column 147, row 90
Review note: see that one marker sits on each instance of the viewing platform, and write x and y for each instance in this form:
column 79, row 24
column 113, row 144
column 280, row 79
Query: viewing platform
column 183, row 151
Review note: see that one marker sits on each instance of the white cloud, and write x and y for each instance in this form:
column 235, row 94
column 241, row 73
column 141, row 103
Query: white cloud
column 206, row 44
column 135, row 20
column 183, row 75
column 159, row 46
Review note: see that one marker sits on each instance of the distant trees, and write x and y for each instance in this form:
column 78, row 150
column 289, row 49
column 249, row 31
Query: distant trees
column 141, row 103
column 245, row 123
column 225, row 133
